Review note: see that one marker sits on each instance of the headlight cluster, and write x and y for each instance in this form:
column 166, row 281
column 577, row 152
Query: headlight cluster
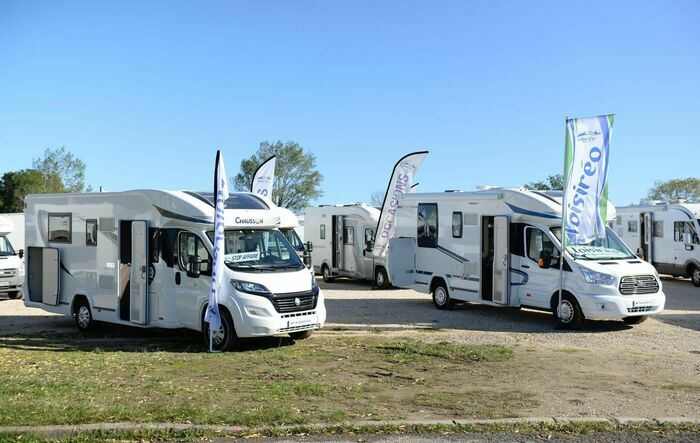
column 250, row 288
column 597, row 278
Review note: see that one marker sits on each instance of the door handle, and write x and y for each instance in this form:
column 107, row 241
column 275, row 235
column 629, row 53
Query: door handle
column 144, row 269
column 177, row 278
column 525, row 266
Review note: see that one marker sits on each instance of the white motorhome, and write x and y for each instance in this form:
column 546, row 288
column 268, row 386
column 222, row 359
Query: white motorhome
column 501, row 247
column 289, row 222
column 144, row 258
column 11, row 266
column 342, row 237
column 665, row 235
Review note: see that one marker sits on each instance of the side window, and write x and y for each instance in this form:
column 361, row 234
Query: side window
column 323, row 232
column 369, row 236
column 427, row 231
column 189, row 244
column 537, row 241
column 685, row 232
column 61, row 228
column 457, row 225
column 658, row 229
column 631, row 226
column 91, row 232
column 349, row 235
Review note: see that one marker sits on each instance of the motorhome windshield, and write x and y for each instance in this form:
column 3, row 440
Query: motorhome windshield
column 293, row 238
column 249, row 250
column 608, row 248
column 5, row 246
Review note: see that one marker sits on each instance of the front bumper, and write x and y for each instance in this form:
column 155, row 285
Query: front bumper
column 256, row 317
column 616, row 307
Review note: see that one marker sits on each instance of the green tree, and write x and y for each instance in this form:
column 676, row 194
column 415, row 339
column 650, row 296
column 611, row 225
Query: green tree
column 62, row 163
column 685, row 188
column 15, row 185
column 297, row 181
column 553, row 182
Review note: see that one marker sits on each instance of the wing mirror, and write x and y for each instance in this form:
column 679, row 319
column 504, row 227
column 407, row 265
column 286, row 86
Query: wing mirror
column 193, row 263
column 20, row 253
column 545, row 260
column 309, row 246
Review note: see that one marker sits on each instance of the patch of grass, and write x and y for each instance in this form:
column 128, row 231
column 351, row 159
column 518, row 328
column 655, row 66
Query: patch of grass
column 408, row 351
column 468, row 403
column 324, row 379
column 569, row 350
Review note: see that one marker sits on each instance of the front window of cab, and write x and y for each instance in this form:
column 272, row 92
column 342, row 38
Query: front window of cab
column 5, row 246
column 293, row 238
column 608, row 248
column 250, row 250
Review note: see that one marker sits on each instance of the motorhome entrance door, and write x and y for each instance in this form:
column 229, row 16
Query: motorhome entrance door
column 501, row 260
column 647, row 235
column 139, row 273
column 338, row 262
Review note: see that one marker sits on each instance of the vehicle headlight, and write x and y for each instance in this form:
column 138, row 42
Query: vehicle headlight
column 20, row 271
column 249, row 287
column 597, row 278
column 314, row 283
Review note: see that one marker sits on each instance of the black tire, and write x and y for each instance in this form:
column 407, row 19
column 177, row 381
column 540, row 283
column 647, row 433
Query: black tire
column 83, row 315
column 326, row 273
column 301, row 335
column 441, row 297
column 15, row 295
column 381, row 279
column 225, row 339
column 634, row 320
column 694, row 273
column 573, row 316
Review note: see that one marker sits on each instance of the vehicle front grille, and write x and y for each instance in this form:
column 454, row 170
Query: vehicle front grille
column 295, row 301
column 638, row 309
column 638, row 284
column 10, row 272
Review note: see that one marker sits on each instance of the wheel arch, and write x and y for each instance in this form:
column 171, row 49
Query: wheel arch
column 554, row 300
column 689, row 265
column 222, row 308
column 436, row 280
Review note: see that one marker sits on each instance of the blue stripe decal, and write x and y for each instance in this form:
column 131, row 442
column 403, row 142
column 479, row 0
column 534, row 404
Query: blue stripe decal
column 473, row 279
column 521, row 273
column 684, row 211
column 520, row 210
column 452, row 254
column 473, row 291
column 421, row 283
column 418, row 271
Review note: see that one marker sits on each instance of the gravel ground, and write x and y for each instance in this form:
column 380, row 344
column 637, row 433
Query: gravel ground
column 352, row 306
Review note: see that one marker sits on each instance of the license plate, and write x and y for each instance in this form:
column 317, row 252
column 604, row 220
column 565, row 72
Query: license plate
column 301, row 322
column 4, row 284
column 642, row 303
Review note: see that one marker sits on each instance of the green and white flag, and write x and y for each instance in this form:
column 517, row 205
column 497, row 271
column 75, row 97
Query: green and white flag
column 585, row 204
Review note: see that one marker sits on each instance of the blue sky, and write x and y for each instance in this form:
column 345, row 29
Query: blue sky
column 145, row 92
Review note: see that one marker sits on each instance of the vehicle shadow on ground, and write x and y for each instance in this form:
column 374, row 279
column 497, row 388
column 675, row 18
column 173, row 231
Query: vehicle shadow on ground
column 117, row 338
column 346, row 284
column 687, row 321
column 378, row 315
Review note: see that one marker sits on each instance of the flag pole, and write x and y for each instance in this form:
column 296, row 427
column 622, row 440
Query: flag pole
column 563, row 214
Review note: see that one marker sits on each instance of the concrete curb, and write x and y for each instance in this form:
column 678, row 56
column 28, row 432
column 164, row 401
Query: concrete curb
column 67, row 430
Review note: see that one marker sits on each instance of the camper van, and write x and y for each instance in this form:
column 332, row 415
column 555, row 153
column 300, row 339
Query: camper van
column 144, row 258
column 665, row 235
column 343, row 237
column 501, row 247
column 11, row 266
column 289, row 223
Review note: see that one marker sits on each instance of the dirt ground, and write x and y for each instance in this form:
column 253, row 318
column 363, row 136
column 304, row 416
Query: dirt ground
column 606, row 369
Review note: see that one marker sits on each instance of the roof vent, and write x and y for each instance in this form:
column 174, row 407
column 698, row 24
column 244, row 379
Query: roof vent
column 679, row 200
column 453, row 190
column 486, row 187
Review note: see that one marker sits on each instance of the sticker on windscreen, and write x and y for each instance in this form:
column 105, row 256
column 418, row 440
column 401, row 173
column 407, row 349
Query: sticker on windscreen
column 242, row 256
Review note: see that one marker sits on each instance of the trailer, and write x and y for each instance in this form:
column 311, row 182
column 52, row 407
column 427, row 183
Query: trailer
column 342, row 238
column 11, row 265
column 501, row 247
column 665, row 235
column 144, row 258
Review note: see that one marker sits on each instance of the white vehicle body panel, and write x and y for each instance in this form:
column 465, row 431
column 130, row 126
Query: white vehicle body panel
column 11, row 265
column 664, row 234
column 338, row 234
column 465, row 248
column 162, row 295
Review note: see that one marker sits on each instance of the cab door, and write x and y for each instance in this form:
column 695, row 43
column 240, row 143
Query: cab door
column 189, row 288
column 539, row 283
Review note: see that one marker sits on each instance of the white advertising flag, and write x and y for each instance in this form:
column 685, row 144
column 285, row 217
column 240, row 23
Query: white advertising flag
column 586, row 172
column 263, row 178
column 221, row 194
column 400, row 183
